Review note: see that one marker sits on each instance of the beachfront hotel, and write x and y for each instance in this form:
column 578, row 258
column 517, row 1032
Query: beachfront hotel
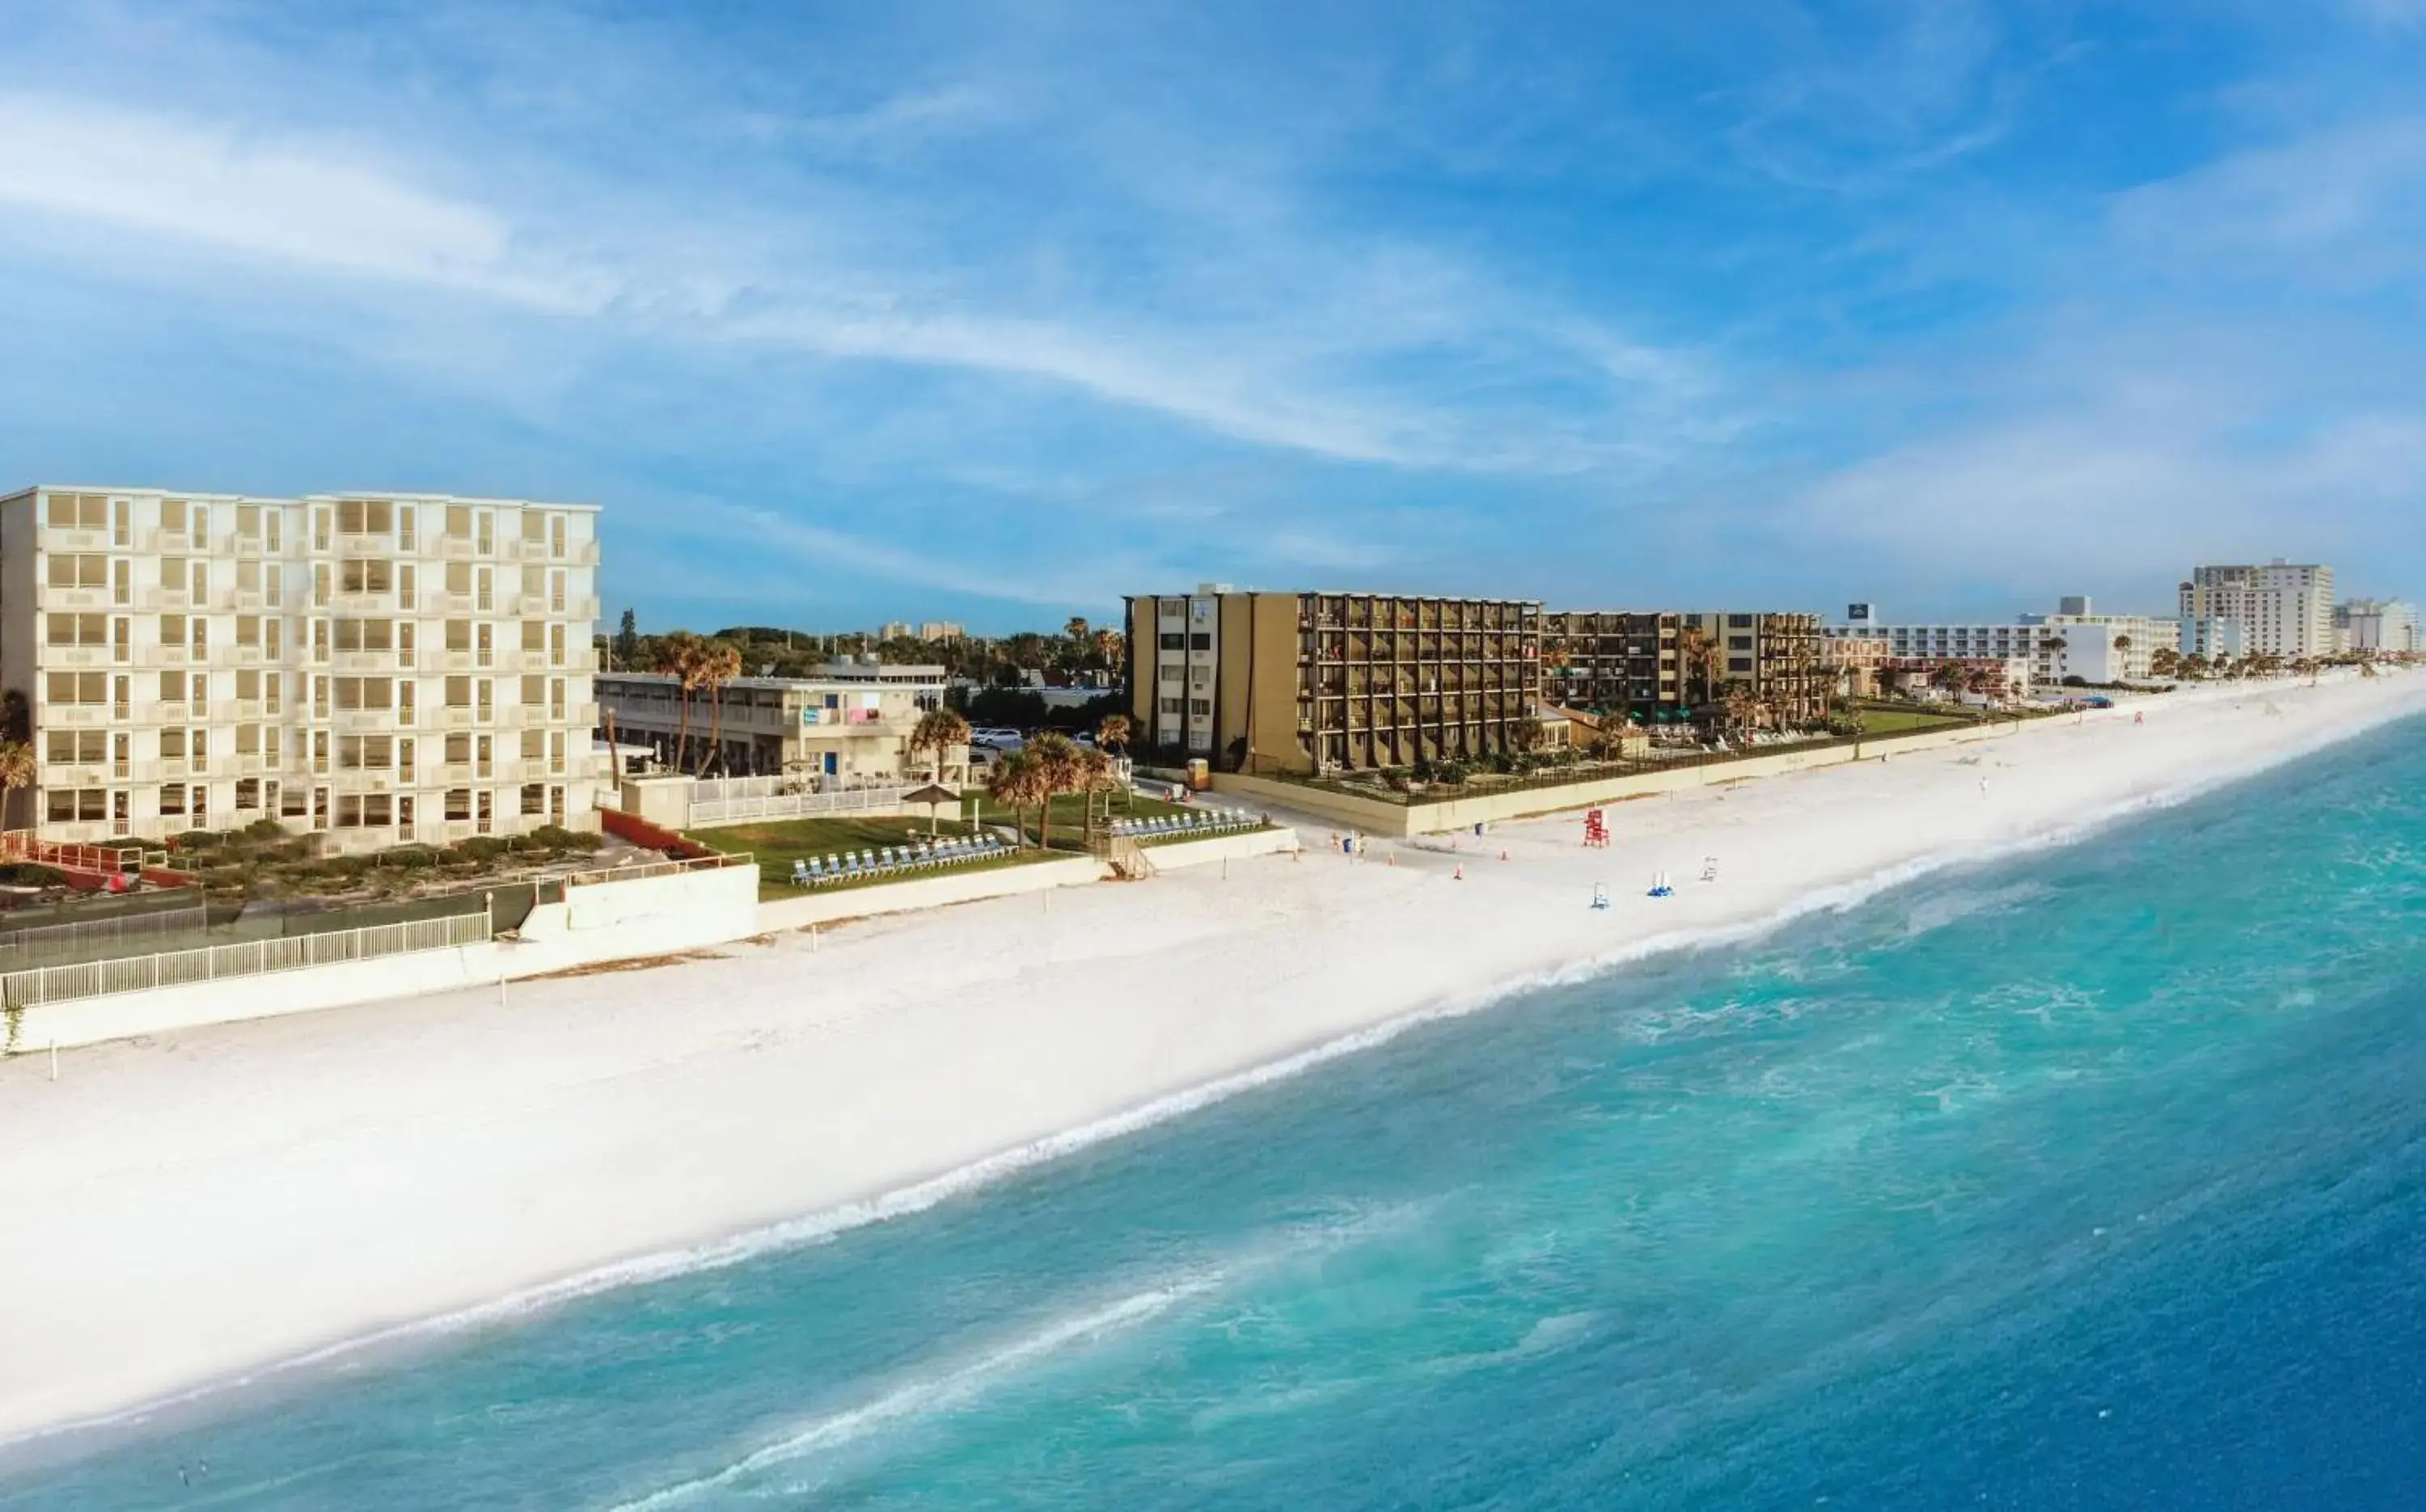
column 378, row 669
column 2282, row 609
column 2075, row 641
column 1667, row 667
column 1315, row 682
column 2377, row 625
column 846, row 724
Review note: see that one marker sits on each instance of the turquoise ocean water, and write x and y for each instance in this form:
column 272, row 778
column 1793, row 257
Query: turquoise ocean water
column 2092, row 1178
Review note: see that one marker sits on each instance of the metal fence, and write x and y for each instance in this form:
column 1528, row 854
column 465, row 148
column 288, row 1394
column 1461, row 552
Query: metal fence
column 1620, row 770
column 187, row 916
column 254, row 958
column 748, row 807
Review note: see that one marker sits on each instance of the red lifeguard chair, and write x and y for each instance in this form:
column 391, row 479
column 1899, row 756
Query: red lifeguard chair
column 1595, row 828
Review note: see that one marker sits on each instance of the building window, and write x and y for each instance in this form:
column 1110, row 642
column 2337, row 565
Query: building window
column 172, row 798
column 459, row 804
column 77, row 688
column 69, row 570
column 1173, row 640
column 77, row 511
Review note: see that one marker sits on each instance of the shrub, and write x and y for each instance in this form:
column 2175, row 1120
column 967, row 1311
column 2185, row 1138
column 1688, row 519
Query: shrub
column 196, row 840
column 29, row 874
column 1450, row 774
column 265, row 830
column 481, row 849
column 410, row 857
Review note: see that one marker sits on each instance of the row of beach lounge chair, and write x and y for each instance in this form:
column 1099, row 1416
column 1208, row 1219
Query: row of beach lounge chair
column 926, row 855
column 1198, row 820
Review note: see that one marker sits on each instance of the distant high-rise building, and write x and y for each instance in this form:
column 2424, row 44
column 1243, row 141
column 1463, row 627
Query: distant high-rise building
column 2284, row 609
column 2377, row 625
column 894, row 630
column 934, row 630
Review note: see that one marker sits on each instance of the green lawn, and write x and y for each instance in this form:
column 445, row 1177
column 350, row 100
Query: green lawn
column 776, row 846
column 1884, row 721
column 1070, row 814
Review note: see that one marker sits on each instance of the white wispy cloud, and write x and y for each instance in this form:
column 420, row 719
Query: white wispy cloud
column 1282, row 377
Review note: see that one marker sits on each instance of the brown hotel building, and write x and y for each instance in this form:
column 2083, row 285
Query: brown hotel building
column 1315, row 682
column 1646, row 666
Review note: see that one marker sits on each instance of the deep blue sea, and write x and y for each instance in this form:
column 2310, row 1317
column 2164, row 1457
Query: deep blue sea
column 2095, row 1178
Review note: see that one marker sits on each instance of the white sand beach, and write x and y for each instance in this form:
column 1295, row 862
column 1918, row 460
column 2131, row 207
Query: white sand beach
column 185, row 1208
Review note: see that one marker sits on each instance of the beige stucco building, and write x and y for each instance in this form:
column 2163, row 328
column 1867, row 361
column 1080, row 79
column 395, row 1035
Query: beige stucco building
column 377, row 669
column 848, row 724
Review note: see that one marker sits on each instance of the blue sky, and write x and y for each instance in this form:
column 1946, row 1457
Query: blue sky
column 997, row 311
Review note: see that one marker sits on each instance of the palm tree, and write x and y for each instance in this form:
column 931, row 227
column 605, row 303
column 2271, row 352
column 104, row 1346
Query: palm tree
column 1113, row 733
column 720, row 663
column 1059, row 765
column 677, row 656
column 938, row 731
column 16, row 772
column 1014, row 780
column 1699, row 663
column 1096, row 775
column 2164, row 661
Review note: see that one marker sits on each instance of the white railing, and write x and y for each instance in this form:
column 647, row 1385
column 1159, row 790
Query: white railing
column 747, row 808
column 251, row 957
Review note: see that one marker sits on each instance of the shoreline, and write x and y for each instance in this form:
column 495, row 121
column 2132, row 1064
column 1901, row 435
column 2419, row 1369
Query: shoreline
column 386, row 1112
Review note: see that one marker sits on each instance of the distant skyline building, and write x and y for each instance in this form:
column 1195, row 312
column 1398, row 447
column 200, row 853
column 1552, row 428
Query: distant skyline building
column 2284, row 608
column 2377, row 625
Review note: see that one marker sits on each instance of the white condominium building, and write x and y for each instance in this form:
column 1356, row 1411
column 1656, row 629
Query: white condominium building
column 386, row 670
column 2284, row 609
column 2108, row 647
column 2377, row 625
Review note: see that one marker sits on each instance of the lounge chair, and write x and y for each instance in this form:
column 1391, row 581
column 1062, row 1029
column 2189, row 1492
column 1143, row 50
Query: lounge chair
column 800, row 873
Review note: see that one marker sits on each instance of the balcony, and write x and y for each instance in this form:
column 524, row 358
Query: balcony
column 171, row 543
column 362, row 661
column 364, row 721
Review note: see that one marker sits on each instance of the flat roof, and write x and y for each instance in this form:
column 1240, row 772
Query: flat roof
column 206, row 496
column 865, row 674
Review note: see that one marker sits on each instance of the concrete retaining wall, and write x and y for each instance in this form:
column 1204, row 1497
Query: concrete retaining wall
column 929, row 893
column 1378, row 817
column 604, row 921
column 1245, row 843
